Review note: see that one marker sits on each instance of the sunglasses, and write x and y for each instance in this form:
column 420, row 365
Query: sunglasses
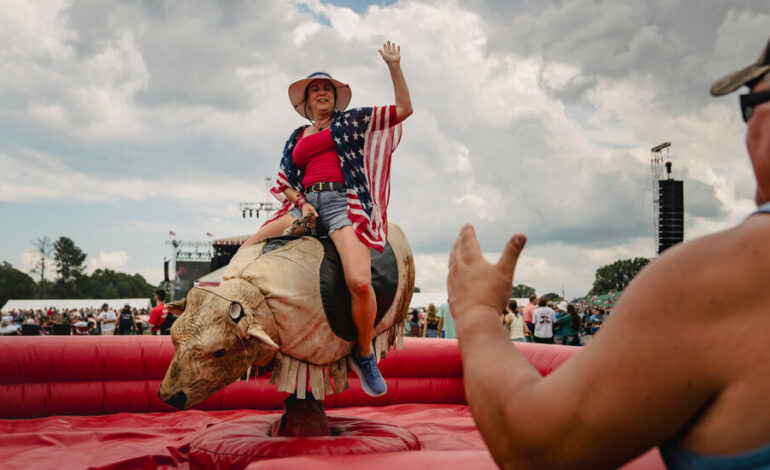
column 751, row 100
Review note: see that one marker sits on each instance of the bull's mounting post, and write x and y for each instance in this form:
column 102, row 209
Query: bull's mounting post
column 301, row 418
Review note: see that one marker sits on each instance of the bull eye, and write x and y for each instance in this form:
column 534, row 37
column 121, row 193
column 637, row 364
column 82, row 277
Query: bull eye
column 235, row 311
column 219, row 353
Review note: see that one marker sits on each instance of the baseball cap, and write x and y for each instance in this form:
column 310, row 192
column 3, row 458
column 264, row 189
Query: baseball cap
column 731, row 82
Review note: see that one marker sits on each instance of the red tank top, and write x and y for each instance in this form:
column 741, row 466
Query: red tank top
column 317, row 156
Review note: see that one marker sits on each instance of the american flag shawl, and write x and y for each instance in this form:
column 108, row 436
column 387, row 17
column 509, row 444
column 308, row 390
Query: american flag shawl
column 365, row 139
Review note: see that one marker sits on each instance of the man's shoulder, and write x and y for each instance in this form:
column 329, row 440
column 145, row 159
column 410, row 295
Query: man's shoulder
column 684, row 278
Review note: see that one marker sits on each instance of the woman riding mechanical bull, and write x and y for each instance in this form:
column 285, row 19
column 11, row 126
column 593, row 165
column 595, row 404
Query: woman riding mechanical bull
column 335, row 172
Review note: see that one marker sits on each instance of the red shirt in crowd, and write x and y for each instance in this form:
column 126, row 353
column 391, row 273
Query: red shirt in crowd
column 527, row 311
column 157, row 316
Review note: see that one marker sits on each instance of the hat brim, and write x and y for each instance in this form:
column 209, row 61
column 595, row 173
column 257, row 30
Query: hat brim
column 297, row 94
column 730, row 83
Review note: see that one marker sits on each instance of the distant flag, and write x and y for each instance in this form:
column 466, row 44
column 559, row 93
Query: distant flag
column 171, row 233
column 208, row 234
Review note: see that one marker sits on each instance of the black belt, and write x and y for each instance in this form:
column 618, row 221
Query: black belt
column 318, row 187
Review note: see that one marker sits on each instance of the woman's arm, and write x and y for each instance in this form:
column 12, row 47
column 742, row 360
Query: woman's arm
column 391, row 54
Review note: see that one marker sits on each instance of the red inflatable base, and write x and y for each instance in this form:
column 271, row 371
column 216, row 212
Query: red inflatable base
column 235, row 444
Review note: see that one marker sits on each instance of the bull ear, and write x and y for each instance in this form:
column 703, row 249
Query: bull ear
column 177, row 307
column 257, row 332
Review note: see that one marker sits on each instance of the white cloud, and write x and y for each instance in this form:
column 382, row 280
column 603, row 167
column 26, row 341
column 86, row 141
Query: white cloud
column 531, row 117
column 28, row 261
column 115, row 260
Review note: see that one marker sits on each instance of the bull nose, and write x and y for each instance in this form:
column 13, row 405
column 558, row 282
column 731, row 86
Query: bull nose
column 177, row 400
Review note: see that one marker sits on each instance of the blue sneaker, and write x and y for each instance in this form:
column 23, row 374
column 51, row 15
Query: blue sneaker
column 371, row 379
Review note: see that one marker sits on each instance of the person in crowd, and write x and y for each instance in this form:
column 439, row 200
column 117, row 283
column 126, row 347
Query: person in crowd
column 447, row 322
column 560, row 310
column 329, row 175
column 107, row 320
column 696, row 388
column 158, row 313
column 126, row 321
column 432, row 322
column 569, row 324
column 7, row 328
column 413, row 319
column 526, row 314
column 543, row 318
column 514, row 322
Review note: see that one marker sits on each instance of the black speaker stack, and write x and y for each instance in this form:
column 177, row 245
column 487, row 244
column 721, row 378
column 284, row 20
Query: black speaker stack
column 670, row 213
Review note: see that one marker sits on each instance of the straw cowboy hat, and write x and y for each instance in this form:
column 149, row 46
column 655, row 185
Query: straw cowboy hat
column 297, row 92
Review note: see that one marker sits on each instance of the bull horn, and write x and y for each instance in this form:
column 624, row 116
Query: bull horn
column 176, row 307
column 257, row 332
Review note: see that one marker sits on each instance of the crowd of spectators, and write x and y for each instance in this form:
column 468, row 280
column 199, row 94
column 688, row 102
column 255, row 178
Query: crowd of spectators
column 83, row 321
column 103, row 320
column 540, row 321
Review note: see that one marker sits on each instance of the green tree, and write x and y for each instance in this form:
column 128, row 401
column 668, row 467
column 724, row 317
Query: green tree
column 69, row 259
column 15, row 284
column 70, row 282
column 616, row 276
column 552, row 296
column 109, row 284
column 522, row 291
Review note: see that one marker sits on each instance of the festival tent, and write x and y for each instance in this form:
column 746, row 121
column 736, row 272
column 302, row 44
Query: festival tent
column 422, row 299
column 211, row 279
column 44, row 304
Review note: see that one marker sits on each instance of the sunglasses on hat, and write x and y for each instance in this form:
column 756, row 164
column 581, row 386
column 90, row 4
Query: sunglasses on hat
column 751, row 100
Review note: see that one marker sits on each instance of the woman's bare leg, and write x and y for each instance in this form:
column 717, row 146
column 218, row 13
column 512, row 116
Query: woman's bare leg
column 356, row 262
column 273, row 229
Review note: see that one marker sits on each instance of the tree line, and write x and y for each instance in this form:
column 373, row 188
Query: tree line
column 71, row 281
column 612, row 277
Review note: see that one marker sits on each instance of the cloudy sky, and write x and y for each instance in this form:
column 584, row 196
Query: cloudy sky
column 120, row 121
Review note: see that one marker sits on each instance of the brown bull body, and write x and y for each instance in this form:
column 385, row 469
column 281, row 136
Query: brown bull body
column 268, row 308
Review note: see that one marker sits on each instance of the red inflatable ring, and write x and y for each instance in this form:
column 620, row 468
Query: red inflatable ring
column 237, row 443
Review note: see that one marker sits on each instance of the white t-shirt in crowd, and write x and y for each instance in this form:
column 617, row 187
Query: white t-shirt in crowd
column 543, row 318
column 108, row 315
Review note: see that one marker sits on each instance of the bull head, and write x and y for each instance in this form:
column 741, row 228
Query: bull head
column 218, row 336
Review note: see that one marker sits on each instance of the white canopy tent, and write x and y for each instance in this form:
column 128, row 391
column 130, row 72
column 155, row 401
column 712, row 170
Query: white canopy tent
column 423, row 299
column 211, row 279
column 35, row 304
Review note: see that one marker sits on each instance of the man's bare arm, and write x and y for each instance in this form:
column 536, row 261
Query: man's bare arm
column 623, row 393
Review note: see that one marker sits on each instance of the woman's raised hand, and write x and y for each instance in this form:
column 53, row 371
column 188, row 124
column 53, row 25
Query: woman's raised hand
column 391, row 53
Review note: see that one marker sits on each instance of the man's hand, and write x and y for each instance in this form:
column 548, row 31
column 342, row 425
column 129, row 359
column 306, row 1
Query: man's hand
column 472, row 281
column 391, row 53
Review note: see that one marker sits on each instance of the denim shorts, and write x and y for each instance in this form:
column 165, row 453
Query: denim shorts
column 332, row 208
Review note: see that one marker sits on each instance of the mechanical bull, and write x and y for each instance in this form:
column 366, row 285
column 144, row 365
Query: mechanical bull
column 283, row 300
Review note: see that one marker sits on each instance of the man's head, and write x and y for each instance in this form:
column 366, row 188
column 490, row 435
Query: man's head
column 542, row 302
column 532, row 298
column 105, row 307
column 755, row 107
column 160, row 295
